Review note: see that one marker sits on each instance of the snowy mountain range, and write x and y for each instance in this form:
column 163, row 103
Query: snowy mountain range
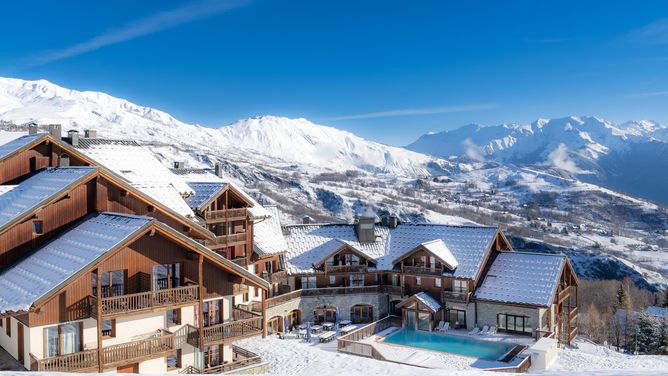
column 535, row 180
column 630, row 157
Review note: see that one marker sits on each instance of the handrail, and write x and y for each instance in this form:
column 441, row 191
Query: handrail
column 350, row 344
column 421, row 270
column 225, row 214
column 463, row 296
column 149, row 300
column 227, row 331
column 346, row 268
column 221, row 241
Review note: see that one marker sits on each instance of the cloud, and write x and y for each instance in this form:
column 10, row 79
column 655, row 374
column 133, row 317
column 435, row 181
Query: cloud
column 654, row 33
column 473, row 151
column 152, row 24
column 559, row 158
column 416, row 111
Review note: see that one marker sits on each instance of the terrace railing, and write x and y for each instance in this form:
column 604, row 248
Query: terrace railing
column 421, row 270
column 216, row 216
column 150, row 300
column 121, row 354
column 459, row 296
column 345, row 268
column 325, row 291
column 350, row 344
column 224, row 241
column 226, row 332
column 243, row 358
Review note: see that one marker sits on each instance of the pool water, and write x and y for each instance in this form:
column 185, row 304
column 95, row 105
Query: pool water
column 452, row 344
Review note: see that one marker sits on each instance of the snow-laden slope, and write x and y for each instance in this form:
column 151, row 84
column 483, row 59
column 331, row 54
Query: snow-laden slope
column 290, row 140
column 631, row 156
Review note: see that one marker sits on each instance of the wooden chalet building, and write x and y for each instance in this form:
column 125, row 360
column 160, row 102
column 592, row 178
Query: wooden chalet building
column 165, row 302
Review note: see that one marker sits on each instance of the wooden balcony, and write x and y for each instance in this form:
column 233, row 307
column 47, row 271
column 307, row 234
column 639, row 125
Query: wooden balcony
column 226, row 332
column 218, row 216
column 150, row 301
column 421, row 270
column 157, row 346
column 242, row 358
column 275, row 277
column 457, row 296
column 334, row 269
column 224, row 241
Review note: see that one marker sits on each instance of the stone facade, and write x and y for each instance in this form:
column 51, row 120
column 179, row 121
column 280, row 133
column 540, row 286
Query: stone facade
column 487, row 314
column 344, row 302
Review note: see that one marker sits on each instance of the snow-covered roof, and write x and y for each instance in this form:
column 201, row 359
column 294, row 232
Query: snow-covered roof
column 204, row 193
column 268, row 236
column 6, row 188
column 423, row 297
column 54, row 263
column 308, row 244
column 196, row 174
column 438, row 248
column 37, row 189
column 19, row 143
column 523, row 278
column 141, row 168
column 657, row 311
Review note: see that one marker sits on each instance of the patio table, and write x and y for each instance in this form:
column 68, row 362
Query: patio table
column 316, row 328
column 328, row 326
column 345, row 322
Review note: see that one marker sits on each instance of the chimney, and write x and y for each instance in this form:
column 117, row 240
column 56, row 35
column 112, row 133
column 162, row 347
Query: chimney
column 32, row 128
column 64, row 160
column 218, row 169
column 365, row 226
column 56, row 131
column 74, row 137
column 179, row 164
column 393, row 221
column 90, row 133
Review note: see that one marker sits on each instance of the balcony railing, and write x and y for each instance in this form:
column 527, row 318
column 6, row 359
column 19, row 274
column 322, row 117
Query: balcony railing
column 224, row 241
column 421, row 270
column 113, row 356
column 324, row 291
column 226, row 332
column 150, row 300
column 459, row 296
column 242, row 358
column 216, row 216
column 346, row 268
column 275, row 277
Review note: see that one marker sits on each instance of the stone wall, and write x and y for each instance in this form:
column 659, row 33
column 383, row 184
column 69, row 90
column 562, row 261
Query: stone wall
column 344, row 302
column 487, row 314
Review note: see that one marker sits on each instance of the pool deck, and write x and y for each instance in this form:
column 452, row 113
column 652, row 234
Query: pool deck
column 440, row 360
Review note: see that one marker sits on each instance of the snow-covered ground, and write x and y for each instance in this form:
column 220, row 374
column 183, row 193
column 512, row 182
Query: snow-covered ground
column 295, row 357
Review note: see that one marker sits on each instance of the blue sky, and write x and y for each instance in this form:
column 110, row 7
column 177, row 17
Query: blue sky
column 386, row 70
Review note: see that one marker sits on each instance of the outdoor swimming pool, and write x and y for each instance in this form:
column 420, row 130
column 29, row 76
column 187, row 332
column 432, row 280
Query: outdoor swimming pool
column 452, row 344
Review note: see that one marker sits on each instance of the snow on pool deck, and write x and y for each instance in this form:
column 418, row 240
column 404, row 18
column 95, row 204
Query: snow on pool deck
column 298, row 358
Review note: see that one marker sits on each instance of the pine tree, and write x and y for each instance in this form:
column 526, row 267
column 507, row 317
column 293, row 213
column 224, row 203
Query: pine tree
column 663, row 337
column 665, row 298
column 646, row 336
column 622, row 296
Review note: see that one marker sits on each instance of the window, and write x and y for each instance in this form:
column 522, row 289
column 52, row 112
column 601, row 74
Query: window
column 432, row 262
column 456, row 317
column 62, row 339
column 174, row 360
column 324, row 314
column 245, row 297
column 257, row 292
column 166, row 276
column 212, row 356
column 37, row 227
column 108, row 328
column 113, row 283
column 357, row 280
column 173, row 317
column 308, row 283
column 418, row 281
column 212, row 312
column 459, row 286
column 395, row 280
column 423, row 260
column 437, row 282
column 268, row 267
column 361, row 313
column 332, row 280
column 514, row 323
column 8, row 324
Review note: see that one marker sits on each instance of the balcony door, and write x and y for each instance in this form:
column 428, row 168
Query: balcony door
column 213, row 312
column 166, row 276
column 113, row 283
column 62, row 339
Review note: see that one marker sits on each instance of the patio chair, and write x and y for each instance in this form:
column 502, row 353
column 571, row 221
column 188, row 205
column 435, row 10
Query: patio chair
column 446, row 327
column 475, row 330
column 492, row 331
column 485, row 330
column 439, row 327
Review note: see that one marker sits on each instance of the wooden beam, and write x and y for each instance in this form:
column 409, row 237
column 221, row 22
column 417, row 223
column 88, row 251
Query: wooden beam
column 100, row 357
column 200, row 280
column 264, row 313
